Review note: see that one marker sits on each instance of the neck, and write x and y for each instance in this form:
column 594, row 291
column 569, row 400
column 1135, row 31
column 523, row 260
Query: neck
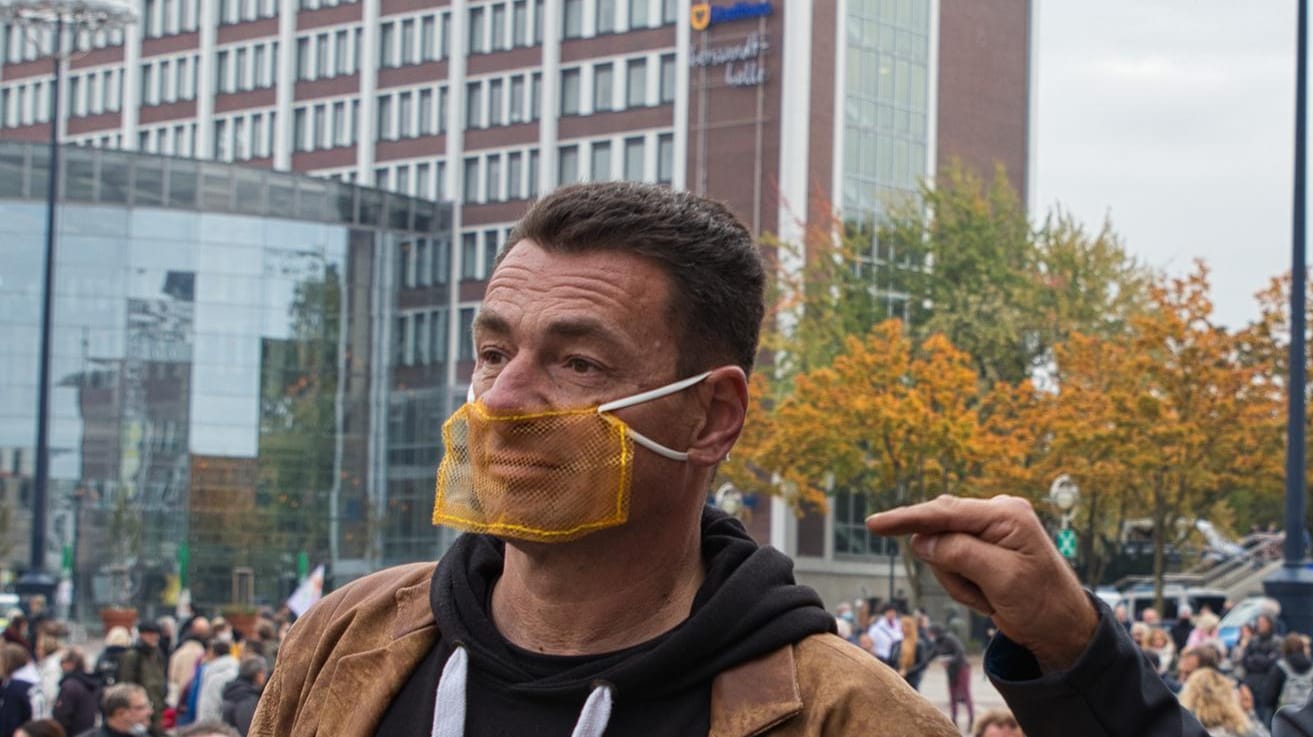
column 122, row 726
column 606, row 592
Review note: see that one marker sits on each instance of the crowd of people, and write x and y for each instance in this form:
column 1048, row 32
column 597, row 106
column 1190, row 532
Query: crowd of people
column 1231, row 690
column 201, row 679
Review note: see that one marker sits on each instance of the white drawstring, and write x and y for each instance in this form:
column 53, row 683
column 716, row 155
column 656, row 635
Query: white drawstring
column 449, row 706
column 596, row 713
column 449, row 709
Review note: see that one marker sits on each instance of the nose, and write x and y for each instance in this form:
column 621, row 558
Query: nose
column 517, row 386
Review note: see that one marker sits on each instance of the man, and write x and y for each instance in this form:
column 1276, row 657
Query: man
column 21, row 699
column 76, row 705
column 242, row 693
column 602, row 595
column 221, row 668
column 885, row 632
column 1260, row 656
column 208, row 729
column 183, row 664
column 996, row 723
column 949, row 649
column 1182, row 628
column 1193, row 659
column 127, row 712
column 144, row 665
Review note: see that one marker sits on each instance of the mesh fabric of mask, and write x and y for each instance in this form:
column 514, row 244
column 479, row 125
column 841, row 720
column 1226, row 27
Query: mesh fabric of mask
column 550, row 476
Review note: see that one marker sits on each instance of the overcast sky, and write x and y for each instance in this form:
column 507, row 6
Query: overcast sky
column 1176, row 120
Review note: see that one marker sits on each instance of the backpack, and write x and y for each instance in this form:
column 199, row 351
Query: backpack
column 1298, row 686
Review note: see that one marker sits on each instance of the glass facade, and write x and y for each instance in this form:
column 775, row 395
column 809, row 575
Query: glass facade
column 223, row 390
column 886, row 120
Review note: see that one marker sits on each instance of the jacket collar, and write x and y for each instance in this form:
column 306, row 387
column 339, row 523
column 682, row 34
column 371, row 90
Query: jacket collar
column 364, row 683
column 752, row 697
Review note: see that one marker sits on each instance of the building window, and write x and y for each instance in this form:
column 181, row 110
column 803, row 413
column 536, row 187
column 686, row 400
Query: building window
column 850, row 535
column 423, row 181
column 606, row 16
column 321, row 56
column 636, row 77
column 638, row 13
column 603, row 87
column 567, row 168
column 601, row 165
column 299, row 130
column 469, row 257
column 533, row 173
column 303, row 68
column 387, row 42
column 536, row 96
column 517, row 99
column 495, row 110
column 666, row 158
column 471, row 193
column 514, row 173
column 340, row 49
column 474, row 105
column 492, row 181
column 491, row 239
column 634, row 151
column 477, row 34
column 385, row 117
column 520, row 23
column 667, row 78
column 428, row 38
column 572, row 18
column 569, row 91
column 442, row 109
column 405, row 114
column 408, row 41
column 498, row 27
column 426, row 113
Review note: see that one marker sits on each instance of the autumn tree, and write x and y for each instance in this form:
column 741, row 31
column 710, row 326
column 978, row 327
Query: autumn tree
column 889, row 417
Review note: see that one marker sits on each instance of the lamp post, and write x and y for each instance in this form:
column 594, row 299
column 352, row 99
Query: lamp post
column 1293, row 584
column 58, row 17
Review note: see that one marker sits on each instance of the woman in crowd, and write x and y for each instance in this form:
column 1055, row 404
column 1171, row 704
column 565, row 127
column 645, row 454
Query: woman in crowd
column 1212, row 698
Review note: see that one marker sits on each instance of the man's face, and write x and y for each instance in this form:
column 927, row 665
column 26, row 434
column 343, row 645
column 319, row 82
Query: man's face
column 137, row 713
column 1000, row 730
column 566, row 331
column 151, row 638
column 890, row 615
column 1189, row 664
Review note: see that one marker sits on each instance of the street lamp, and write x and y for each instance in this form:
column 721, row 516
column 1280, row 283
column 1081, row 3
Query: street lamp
column 58, row 17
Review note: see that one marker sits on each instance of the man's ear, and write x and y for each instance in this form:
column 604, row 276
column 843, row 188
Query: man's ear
column 724, row 398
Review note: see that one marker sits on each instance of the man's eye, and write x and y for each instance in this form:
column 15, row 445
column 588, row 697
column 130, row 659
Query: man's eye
column 491, row 357
column 580, row 366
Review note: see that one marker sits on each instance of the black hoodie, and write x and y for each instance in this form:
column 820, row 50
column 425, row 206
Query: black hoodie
column 748, row 605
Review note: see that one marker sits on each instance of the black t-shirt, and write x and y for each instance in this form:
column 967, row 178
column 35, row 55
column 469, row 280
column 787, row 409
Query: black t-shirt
column 492, row 710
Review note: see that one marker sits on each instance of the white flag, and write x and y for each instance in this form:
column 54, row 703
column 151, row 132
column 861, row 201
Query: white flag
column 310, row 591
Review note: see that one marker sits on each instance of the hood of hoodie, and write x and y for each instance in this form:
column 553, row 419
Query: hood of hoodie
column 88, row 681
column 1299, row 662
column 748, row 605
column 240, row 688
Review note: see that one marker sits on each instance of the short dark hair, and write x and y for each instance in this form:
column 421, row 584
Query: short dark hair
column 221, row 647
column 252, row 666
column 43, row 728
column 716, row 274
column 119, row 696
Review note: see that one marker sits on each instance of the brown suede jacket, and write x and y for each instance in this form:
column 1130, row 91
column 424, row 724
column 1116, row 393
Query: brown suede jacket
column 349, row 656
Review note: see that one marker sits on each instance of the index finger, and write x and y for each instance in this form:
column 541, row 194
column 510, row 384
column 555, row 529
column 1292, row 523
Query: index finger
column 946, row 514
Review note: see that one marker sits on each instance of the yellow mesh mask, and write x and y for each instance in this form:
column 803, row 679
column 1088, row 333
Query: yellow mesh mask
column 546, row 476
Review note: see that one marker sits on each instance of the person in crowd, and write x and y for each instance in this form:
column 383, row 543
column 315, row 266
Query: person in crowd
column 1247, row 706
column 865, row 642
column 38, row 617
column 1236, row 655
column 50, row 648
column 221, row 668
column 949, row 649
column 40, row 728
column 1121, row 617
column 1212, row 698
column 168, row 635
column 885, row 632
column 183, row 664
column 76, row 704
column 1205, row 633
column 1259, row 658
column 16, row 631
column 117, row 642
column 143, row 664
column 996, row 723
column 1181, row 628
column 1160, row 643
column 1140, row 635
column 264, row 641
column 208, row 729
column 623, row 314
column 22, row 683
column 242, row 693
column 1151, row 618
column 1290, row 683
column 912, row 653
column 1194, row 658
column 126, row 709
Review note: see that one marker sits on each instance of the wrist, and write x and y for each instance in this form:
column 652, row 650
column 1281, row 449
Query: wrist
column 1062, row 652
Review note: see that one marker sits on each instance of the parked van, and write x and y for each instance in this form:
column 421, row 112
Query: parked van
column 1140, row 597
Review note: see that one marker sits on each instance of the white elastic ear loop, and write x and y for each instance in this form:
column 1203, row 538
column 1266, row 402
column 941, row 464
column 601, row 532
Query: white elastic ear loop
column 647, row 396
column 469, row 394
column 449, row 706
